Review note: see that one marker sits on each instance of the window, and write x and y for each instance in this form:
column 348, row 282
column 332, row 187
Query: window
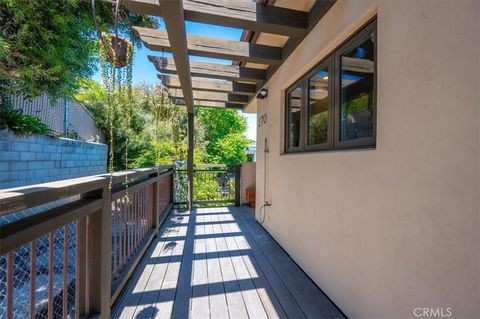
column 319, row 108
column 295, row 102
column 339, row 108
column 356, row 100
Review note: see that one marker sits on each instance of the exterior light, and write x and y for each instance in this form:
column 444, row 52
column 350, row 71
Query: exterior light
column 262, row 94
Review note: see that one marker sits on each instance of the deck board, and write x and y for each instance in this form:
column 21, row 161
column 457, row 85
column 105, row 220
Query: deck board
column 219, row 263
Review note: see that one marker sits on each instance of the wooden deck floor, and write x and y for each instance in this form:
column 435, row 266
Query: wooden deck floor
column 219, row 263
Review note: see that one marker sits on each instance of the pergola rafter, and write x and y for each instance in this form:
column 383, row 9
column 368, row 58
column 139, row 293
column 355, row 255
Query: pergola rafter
column 212, row 70
column 257, row 17
column 213, row 48
column 234, row 13
column 318, row 10
column 172, row 81
column 203, row 103
column 212, row 96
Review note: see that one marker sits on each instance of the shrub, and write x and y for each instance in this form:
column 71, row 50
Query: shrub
column 21, row 123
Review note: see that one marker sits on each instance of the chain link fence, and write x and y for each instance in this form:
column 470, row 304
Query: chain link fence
column 37, row 280
column 64, row 117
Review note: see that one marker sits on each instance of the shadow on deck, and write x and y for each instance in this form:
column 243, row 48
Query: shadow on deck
column 219, row 263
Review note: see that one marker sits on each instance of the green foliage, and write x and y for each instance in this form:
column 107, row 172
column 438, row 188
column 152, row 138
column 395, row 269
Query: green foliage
column 45, row 46
column 206, row 189
column 230, row 149
column 225, row 129
column 93, row 96
column 360, row 103
column 21, row 123
column 318, row 127
column 220, row 122
column 158, row 129
column 157, row 134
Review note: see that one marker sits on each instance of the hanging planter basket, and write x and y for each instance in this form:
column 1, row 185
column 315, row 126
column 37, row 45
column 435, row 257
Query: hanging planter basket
column 118, row 51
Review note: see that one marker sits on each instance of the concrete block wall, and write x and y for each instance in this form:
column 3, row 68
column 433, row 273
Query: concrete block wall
column 26, row 160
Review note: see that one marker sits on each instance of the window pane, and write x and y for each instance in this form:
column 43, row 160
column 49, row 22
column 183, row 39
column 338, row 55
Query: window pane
column 318, row 108
column 294, row 116
column 357, row 91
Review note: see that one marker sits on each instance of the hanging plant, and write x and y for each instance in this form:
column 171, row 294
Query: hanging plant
column 116, row 53
column 116, row 69
column 116, row 50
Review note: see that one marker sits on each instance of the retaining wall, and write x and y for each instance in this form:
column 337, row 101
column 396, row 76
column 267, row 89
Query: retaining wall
column 26, row 160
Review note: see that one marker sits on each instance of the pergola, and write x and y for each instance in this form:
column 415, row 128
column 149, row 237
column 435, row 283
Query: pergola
column 214, row 84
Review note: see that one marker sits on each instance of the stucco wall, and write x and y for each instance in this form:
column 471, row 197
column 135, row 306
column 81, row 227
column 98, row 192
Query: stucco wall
column 247, row 179
column 26, row 160
column 386, row 230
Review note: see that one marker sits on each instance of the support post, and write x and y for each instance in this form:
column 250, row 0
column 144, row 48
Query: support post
column 81, row 263
column 172, row 188
column 155, row 204
column 191, row 117
column 238, row 175
column 99, row 232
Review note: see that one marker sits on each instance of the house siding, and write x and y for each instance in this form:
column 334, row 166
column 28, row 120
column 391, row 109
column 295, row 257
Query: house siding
column 383, row 231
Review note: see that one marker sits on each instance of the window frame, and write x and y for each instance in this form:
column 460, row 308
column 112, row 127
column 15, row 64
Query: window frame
column 300, row 83
column 354, row 41
column 333, row 62
column 328, row 63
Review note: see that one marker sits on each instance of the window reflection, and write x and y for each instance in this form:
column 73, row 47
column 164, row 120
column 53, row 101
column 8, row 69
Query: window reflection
column 294, row 116
column 357, row 91
column 318, row 108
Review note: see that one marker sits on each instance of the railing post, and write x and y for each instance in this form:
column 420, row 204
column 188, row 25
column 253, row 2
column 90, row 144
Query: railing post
column 172, row 188
column 81, row 265
column 155, row 204
column 191, row 117
column 99, row 236
column 238, row 173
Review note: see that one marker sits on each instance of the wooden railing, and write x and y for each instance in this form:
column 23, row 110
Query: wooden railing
column 213, row 185
column 67, row 248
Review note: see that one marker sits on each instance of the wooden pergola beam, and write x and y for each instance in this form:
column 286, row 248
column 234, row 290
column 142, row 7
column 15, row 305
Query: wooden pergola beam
column 234, row 13
column 203, row 103
column 175, row 26
column 212, row 47
column 212, row 70
column 318, row 10
column 172, row 81
column 211, row 96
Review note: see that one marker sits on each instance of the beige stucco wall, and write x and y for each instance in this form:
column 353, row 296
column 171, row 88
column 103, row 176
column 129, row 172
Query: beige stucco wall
column 247, row 179
column 384, row 231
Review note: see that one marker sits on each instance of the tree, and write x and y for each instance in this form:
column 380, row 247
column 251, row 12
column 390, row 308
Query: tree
column 46, row 46
column 158, row 129
column 94, row 98
column 225, row 135
column 230, row 149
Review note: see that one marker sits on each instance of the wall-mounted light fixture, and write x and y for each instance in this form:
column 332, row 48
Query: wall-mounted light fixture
column 262, row 94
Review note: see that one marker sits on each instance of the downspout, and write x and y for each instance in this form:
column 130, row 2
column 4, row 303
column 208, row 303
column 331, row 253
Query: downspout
column 65, row 117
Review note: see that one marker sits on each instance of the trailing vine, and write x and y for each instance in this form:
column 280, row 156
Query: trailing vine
column 118, row 86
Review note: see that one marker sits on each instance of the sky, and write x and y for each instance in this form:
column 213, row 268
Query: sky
column 144, row 71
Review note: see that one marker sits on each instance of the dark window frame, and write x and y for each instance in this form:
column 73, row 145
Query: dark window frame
column 327, row 62
column 333, row 62
column 300, row 83
column 354, row 41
